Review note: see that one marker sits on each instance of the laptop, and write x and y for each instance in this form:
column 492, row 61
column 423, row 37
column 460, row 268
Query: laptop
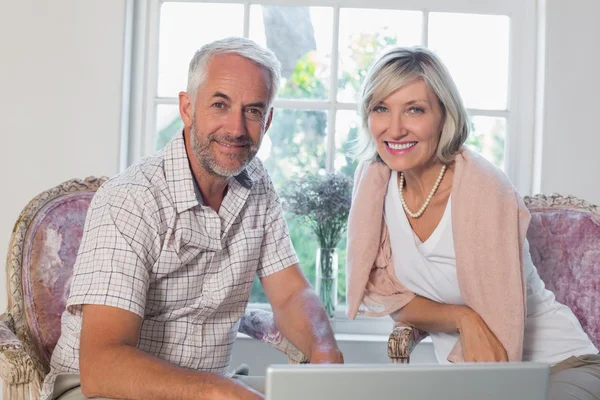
column 465, row 381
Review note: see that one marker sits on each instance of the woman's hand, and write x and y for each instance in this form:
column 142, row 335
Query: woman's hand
column 479, row 344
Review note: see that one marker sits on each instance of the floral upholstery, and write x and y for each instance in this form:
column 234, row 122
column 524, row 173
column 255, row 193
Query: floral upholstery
column 260, row 325
column 565, row 248
column 564, row 241
column 40, row 263
column 50, row 250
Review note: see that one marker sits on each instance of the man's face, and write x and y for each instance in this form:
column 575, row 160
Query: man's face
column 230, row 114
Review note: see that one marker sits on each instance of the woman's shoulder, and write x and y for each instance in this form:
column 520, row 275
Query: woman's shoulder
column 478, row 182
column 476, row 170
column 371, row 174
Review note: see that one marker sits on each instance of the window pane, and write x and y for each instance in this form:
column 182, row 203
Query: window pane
column 347, row 127
column 364, row 34
column 184, row 28
column 168, row 122
column 475, row 50
column 295, row 146
column 300, row 37
column 488, row 135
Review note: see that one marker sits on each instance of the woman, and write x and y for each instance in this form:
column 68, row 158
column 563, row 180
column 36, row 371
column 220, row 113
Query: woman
column 436, row 234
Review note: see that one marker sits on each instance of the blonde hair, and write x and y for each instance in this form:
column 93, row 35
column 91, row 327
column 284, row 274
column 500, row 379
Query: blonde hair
column 396, row 68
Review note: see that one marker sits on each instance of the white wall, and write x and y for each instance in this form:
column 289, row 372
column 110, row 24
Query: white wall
column 570, row 161
column 60, row 105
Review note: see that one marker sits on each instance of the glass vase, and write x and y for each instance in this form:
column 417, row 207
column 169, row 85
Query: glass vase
column 327, row 279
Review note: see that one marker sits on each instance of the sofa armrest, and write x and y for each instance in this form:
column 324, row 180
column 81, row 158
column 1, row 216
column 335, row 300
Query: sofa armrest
column 16, row 367
column 259, row 324
column 402, row 341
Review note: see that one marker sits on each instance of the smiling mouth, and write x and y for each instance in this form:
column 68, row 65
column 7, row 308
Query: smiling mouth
column 233, row 145
column 400, row 146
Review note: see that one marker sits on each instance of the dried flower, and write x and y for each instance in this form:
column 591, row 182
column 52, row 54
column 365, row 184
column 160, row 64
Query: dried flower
column 322, row 202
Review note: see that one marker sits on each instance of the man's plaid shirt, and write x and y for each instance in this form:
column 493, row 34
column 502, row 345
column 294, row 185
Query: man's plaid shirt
column 152, row 248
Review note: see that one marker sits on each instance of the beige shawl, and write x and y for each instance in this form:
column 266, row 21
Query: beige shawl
column 489, row 224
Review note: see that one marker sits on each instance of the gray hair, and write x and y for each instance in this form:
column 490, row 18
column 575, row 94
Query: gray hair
column 234, row 45
column 396, row 68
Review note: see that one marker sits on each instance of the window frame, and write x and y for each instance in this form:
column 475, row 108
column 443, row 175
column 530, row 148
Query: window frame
column 139, row 133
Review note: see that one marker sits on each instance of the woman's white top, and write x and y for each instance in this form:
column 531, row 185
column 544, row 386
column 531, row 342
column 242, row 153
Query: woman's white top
column 552, row 332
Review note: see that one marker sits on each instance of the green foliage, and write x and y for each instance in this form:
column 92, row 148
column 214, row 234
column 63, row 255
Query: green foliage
column 365, row 48
column 297, row 144
column 489, row 143
column 307, row 81
column 347, row 149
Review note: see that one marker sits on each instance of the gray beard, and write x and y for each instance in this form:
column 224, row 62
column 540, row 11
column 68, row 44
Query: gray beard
column 208, row 161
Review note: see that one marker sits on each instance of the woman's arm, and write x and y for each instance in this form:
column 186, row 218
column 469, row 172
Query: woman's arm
column 479, row 344
column 430, row 316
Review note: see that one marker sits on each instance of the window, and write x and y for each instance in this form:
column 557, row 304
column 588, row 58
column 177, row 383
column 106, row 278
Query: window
column 325, row 47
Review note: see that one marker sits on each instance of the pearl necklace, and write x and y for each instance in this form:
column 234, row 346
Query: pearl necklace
column 424, row 206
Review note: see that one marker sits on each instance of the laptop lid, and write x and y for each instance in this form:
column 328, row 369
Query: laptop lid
column 465, row 381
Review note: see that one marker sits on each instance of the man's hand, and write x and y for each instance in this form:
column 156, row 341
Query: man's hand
column 479, row 344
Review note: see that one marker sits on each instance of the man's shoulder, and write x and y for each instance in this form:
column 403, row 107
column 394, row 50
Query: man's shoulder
column 262, row 184
column 142, row 182
column 257, row 171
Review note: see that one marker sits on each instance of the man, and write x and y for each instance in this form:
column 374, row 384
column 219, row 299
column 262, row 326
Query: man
column 171, row 247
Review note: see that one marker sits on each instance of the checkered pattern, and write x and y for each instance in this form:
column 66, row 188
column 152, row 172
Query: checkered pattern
column 152, row 248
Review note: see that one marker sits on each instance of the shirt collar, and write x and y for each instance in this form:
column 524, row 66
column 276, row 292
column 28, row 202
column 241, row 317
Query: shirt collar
column 181, row 182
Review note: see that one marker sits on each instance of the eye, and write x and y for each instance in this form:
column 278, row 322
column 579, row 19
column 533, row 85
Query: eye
column 415, row 110
column 255, row 114
column 219, row 104
column 379, row 109
column 255, row 111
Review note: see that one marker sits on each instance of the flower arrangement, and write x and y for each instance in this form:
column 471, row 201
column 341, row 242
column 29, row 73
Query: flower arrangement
column 323, row 203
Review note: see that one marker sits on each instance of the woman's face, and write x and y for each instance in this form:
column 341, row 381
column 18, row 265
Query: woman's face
column 407, row 126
